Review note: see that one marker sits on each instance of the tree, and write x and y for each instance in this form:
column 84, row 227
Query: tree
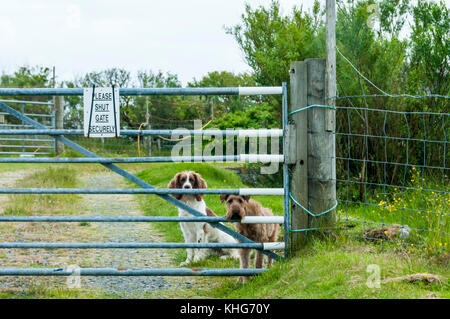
column 109, row 77
column 227, row 103
column 271, row 41
column 430, row 49
column 167, row 110
column 28, row 77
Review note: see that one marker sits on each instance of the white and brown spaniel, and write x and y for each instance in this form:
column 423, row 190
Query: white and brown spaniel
column 200, row 232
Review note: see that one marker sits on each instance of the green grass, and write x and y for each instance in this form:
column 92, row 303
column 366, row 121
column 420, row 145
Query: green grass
column 45, row 204
column 324, row 269
column 44, row 292
column 418, row 205
column 10, row 167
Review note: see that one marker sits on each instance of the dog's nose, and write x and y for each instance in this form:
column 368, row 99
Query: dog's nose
column 236, row 212
column 187, row 186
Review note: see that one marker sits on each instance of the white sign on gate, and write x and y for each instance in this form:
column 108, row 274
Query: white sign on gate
column 101, row 112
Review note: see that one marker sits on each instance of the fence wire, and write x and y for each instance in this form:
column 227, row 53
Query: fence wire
column 392, row 175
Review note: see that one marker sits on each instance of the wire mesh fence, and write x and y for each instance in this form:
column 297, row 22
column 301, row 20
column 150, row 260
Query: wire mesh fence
column 392, row 175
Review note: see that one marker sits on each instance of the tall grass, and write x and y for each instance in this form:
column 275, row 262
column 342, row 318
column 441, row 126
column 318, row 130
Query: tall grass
column 45, row 204
column 422, row 205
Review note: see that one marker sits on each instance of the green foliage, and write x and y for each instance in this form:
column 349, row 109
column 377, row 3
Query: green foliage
column 271, row 41
column 45, row 204
column 134, row 108
column 109, row 77
column 227, row 103
column 380, row 56
column 28, row 77
column 257, row 116
column 164, row 108
column 430, row 49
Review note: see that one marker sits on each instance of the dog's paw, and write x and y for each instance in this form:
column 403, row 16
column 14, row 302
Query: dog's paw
column 199, row 257
column 185, row 263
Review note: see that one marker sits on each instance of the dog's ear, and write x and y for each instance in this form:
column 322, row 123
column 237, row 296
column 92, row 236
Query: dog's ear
column 210, row 213
column 199, row 181
column 174, row 183
column 223, row 197
column 246, row 197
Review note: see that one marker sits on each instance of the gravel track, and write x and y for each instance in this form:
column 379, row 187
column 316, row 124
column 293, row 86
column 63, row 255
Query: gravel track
column 100, row 205
column 8, row 179
column 121, row 205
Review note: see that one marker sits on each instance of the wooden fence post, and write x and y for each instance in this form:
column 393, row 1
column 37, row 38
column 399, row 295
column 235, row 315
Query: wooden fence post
column 59, row 121
column 313, row 182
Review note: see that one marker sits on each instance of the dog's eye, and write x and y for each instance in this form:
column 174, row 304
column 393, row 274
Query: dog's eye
column 240, row 201
column 229, row 201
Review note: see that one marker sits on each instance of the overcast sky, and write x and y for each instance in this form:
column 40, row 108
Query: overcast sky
column 185, row 37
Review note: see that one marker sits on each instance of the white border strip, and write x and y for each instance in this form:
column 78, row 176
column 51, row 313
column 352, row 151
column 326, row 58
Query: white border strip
column 262, row 220
column 261, row 191
column 273, row 246
column 253, row 90
column 273, row 132
column 261, row 158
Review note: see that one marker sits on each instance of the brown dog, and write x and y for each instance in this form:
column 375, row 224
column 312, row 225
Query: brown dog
column 237, row 208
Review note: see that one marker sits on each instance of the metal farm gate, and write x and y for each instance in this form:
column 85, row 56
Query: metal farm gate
column 26, row 145
column 145, row 188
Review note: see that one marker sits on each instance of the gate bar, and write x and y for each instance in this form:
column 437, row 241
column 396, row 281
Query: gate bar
column 240, row 133
column 286, row 205
column 274, row 90
column 158, row 191
column 109, row 219
column 131, row 272
column 30, row 114
column 25, row 153
column 26, row 102
column 25, row 146
column 37, row 245
column 273, row 158
column 135, row 180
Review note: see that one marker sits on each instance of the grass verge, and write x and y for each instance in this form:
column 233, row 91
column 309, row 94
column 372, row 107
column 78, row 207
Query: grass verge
column 335, row 268
column 45, row 204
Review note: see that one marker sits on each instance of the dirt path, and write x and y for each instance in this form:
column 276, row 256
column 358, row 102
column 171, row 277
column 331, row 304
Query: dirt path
column 9, row 179
column 124, row 205
column 99, row 205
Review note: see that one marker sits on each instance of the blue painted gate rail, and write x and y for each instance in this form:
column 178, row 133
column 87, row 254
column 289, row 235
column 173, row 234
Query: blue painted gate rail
column 146, row 188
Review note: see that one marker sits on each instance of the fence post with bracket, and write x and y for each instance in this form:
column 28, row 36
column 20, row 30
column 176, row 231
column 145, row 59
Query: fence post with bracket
column 311, row 153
